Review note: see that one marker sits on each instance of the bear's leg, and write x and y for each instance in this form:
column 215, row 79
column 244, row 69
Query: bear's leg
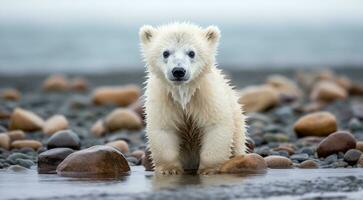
column 239, row 142
column 164, row 147
column 216, row 148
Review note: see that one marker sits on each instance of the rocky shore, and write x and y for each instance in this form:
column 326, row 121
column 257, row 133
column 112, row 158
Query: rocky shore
column 89, row 126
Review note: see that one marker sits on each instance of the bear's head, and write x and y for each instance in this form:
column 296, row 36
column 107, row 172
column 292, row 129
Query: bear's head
column 179, row 53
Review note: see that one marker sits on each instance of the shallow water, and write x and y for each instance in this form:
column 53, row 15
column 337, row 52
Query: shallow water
column 274, row 184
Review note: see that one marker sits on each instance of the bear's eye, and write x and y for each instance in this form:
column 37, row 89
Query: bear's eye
column 191, row 54
column 166, row 54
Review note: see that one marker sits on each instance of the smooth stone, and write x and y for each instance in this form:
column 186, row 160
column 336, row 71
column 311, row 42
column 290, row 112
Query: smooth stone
column 97, row 161
column 123, row 119
column 24, row 162
column 4, row 141
column 147, row 161
column 360, row 161
column 34, row 144
column 25, row 120
column 340, row 141
column 138, row 154
column 284, row 86
column 16, row 135
column 359, row 146
column 98, row 129
column 15, row 156
column 17, row 168
column 285, row 147
column 244, row 163
column 352, row 156
column 355, row 125
column 119, row 95
column 79, row 84
column 10, row 94
column 308, row 164
column 278, row 162
column 48, row 161
column 258, row 98
column 307, row 150
column 65, row 139
column 331, row 159
column 54, row 124
column 276, row 137
column 319, row 124
column 263, row 151
column 328, row 91
column 56, row 83
column 300, row 157
column 120, row 145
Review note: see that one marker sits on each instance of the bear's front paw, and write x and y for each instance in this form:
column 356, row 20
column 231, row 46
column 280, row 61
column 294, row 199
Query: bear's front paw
column 169, row 170
column 208, row 171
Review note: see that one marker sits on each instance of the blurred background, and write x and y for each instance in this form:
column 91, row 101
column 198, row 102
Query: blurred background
column 47, row 36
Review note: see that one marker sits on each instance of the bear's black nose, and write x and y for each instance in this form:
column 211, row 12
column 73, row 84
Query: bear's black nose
column 178, row 72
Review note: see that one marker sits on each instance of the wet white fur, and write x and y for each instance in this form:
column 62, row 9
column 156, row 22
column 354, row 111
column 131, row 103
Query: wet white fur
column 207, row 99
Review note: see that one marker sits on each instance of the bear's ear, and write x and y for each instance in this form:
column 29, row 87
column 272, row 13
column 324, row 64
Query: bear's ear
column 146, row 33
column 212, row 34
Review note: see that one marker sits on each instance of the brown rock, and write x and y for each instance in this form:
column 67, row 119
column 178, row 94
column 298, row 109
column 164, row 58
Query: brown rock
column 138, row 154
column 98, row 129
column 242, row 163
column 48, row 161
column 54, row 124
column 122, row 118
column 308, row 164
column 278, row 162
column 316, row 124
column 356, row 89
column 328, row 91
column 120, row 145
column 340, row 141
column 4, row 141
column 16, row 135
column 97, row 161
column 289, row 149
column 147, row 161
column 56, row 83
column 360, row 161
column 79, row 84
column 284, row 86
column 25, row 120
column 122, row 96
column 359, row 146
column 258, row 98
column 352, row 156
column 313, row 107
column 18, row 144
column 11, row 94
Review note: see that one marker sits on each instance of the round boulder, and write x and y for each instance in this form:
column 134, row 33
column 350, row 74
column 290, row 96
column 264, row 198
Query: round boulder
column 123, row 119
column 278, row 162
column 34, row 144
column 97, row 161
column 316, row 124
column 258, row 98
column 48, row 161
column 340, row 141
column 25, row 120
column 65, row 139
column 244, row 163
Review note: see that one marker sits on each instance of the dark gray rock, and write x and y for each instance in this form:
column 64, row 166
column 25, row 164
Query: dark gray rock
column 299, row 157
column 64, row 139
column 48, row 161
column 352, row 156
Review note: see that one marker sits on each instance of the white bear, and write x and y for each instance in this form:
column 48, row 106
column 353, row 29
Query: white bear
column 194, row 120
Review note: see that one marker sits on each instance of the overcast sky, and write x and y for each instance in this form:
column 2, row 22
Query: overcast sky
column 122, row 11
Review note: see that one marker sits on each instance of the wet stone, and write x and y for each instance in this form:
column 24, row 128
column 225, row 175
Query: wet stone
column 48, row 161
column 309, row 164
column 95, row 162
column 300, row 157
column 352, row 156
column 340, row 141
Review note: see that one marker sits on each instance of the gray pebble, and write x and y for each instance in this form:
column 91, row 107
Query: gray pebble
column 299, row 157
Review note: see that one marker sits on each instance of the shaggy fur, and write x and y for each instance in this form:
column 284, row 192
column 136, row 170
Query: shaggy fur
column 196, row 125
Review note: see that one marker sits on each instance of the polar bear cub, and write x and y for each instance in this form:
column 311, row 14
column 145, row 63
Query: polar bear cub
column 194, row 121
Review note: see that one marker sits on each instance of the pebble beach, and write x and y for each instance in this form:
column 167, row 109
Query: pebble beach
column 92, row 126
